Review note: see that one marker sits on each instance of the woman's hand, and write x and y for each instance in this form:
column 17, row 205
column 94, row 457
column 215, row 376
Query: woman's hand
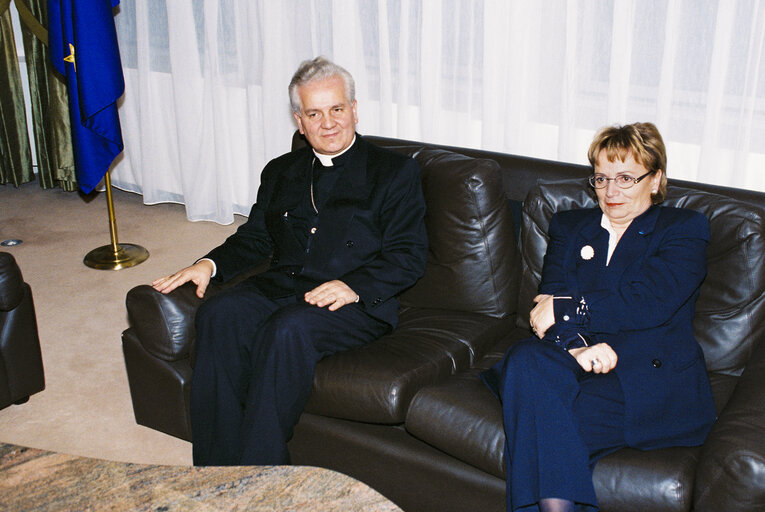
column 599, row 358
column 542, row 317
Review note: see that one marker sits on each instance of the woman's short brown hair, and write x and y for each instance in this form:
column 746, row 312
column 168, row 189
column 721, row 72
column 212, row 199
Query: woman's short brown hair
column 642, row 140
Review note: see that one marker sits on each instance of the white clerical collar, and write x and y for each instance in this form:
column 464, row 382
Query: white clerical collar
column 326, row 160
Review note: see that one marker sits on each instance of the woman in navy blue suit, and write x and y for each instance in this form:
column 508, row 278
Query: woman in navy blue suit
column 614, row 362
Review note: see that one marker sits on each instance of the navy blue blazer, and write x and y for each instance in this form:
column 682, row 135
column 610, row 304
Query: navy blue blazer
column 642, row 305
column 371, row 231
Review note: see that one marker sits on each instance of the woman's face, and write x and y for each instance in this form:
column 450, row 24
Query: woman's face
column 622, row 205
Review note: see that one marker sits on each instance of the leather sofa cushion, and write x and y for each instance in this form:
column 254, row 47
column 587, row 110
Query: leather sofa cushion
column 11, row 283
column 462, row 417
column 656, row 479
column 733, row 293
column 472, row 256
column 376, row 383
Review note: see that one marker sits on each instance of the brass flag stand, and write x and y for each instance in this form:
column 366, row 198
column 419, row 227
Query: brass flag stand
column 115, row 256
column 108, row 257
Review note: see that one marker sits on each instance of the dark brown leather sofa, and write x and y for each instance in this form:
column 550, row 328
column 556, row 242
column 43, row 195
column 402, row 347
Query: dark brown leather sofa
column 21, row 368
column 408, row 415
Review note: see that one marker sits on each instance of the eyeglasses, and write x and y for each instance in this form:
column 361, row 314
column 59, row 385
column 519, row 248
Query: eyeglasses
column 622, row 180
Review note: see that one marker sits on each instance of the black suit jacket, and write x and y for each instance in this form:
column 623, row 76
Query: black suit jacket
column 371, row 232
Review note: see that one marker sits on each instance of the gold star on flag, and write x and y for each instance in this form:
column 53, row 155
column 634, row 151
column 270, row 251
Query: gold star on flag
column 70, row 57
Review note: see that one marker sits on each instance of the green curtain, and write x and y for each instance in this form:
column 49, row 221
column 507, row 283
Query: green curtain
column 15, row 155
column 50, row 109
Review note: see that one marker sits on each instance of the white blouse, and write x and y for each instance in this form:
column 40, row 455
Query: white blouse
column 612, row 237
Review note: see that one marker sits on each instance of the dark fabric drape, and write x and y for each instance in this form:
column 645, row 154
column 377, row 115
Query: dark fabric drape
column 15, row 154
column 50, row 110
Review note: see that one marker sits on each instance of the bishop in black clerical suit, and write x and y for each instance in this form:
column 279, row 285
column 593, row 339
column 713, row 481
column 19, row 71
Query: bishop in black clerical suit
column 343, row 225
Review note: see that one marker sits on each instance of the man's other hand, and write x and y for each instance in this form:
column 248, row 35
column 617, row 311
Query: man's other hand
column 334, row 294
column 199, row 273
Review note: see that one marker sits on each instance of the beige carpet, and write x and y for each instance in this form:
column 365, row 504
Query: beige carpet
column 86, row 408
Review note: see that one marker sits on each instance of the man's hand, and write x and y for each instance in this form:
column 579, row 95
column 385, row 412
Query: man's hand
column 199, row 273
column 334, row 294
column 542, row 317
column 599, row 358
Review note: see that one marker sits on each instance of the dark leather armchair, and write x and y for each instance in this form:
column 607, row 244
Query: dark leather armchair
column 21, row 367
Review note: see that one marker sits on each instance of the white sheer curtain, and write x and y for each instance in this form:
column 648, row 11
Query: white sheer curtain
column 206, row 83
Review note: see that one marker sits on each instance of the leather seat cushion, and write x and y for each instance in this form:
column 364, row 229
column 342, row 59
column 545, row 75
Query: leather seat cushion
column 376, row 383
column 462, row 417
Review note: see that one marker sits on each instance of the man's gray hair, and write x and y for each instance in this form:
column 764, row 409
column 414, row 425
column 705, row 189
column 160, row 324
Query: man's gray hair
column 318, row 69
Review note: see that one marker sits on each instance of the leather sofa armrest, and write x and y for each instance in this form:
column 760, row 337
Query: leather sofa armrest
column 731, row 471
column 164, row 323
column 11, row 283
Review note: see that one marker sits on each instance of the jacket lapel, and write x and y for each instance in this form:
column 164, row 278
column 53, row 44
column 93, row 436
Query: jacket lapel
column 591, row 251
column 293, row 184
column 634, row 242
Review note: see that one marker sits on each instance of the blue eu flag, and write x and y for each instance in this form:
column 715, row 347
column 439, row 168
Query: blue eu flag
column 83, row 47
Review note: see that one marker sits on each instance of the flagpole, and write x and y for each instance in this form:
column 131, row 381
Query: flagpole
column 115, row 256
column 95, row 124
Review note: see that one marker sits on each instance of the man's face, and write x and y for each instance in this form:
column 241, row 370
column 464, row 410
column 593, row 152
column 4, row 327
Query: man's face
column 328, row 120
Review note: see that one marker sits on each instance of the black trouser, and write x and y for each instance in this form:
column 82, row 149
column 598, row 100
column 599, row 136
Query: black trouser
column 255, row 360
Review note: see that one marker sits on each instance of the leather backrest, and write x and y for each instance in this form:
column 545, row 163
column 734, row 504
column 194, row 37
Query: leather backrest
column 11, row 283
column 542, row 201
column 473, row 256
column 730, row 311
column 522, row 172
